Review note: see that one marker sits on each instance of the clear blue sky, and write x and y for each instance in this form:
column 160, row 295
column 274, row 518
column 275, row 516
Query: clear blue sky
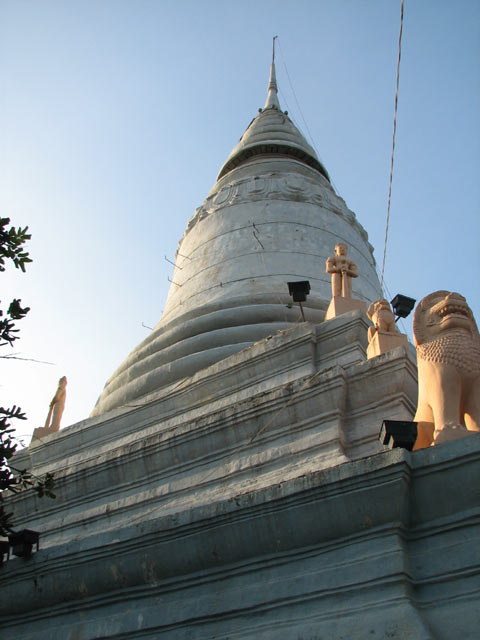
column 116, row 116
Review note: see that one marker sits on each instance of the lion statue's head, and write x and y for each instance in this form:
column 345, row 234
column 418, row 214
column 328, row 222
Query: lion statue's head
column 440, row 313
column 380, row 307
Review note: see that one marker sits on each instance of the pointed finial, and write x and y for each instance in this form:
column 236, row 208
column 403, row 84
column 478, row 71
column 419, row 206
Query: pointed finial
column 272, row 99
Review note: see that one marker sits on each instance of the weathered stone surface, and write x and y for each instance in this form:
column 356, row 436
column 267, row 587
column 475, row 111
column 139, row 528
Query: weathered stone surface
column 42, row 432
column 339, row 305
column 272, row 217
column 355, row 550
column 291, row 403
column 134, row 486
column 384, row 341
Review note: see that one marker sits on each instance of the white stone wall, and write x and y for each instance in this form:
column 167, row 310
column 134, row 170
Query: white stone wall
column 264, row 224
column 253, row 500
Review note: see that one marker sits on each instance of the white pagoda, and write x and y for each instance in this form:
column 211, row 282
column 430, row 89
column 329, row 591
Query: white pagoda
column 230, row 482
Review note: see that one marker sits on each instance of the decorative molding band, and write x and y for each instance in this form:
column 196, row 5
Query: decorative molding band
column 273, row 186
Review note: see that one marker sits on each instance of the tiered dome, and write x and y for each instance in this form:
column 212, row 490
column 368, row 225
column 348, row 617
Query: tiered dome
column 271, row 217
column 272, row 132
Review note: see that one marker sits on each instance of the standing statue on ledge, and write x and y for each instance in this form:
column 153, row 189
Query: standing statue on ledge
column 57, row 405
column 448, row 354
column 55, row 412
column 342, row 270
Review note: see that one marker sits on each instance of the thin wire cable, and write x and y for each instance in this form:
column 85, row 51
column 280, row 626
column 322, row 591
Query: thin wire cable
column 296, row 99
column 301, row 113
column 284, row 100
column 386, row 291
column 393, row 144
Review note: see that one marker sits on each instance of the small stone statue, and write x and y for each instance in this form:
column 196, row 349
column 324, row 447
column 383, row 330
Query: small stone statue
column 384, row 335
column 448, row 355
column 55, row 412
column 57, row 405
column 381, row 314
column 342, row 270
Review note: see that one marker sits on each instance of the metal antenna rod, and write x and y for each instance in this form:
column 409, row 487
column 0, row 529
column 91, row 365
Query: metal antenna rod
column 301, row 309
column 273, row 52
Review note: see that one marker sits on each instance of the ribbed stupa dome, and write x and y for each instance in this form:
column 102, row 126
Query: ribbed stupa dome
column 272, row 132
column 271, row 217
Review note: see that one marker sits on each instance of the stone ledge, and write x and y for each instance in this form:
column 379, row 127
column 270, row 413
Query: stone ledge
column 363, row 506
column 384, row 341
column 339, row 306
column 311, row 426
column 282, row 358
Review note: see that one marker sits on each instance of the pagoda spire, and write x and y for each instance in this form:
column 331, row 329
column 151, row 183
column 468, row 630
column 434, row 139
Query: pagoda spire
column 272, row 97
column 230, row 289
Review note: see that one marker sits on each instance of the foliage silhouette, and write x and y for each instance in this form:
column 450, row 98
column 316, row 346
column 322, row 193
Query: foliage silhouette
column 12, row 249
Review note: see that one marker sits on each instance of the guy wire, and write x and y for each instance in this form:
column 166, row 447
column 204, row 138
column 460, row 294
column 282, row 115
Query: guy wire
column 393, row 144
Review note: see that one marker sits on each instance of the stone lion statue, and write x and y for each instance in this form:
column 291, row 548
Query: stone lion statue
column 448, row 353
column 381, row 314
